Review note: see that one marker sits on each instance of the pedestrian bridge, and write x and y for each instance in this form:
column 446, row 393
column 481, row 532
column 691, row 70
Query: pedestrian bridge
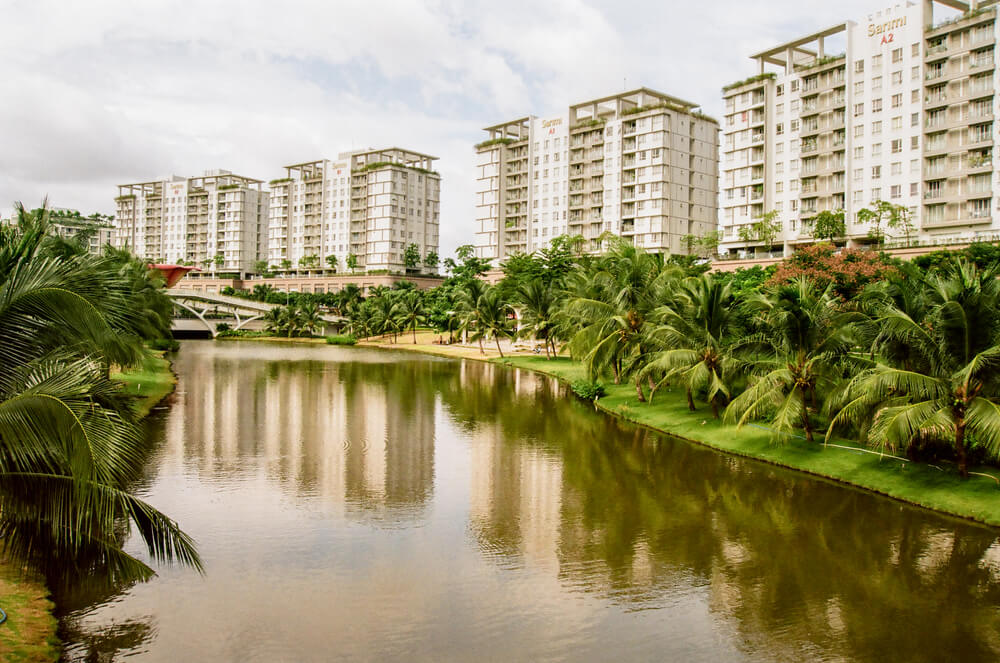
column 244, row 311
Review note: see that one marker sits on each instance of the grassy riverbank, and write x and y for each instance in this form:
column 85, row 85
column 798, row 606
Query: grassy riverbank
column 151, row 382
column 29, row 634
column 977, row 498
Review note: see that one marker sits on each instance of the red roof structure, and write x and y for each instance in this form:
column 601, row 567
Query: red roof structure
column 173, row 273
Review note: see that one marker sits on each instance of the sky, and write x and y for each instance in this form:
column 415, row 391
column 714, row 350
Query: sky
column 101, row 93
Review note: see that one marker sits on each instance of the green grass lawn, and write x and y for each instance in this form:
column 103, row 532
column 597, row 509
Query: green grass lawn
column 29, row 634
column 977, row 498
column 151, row 382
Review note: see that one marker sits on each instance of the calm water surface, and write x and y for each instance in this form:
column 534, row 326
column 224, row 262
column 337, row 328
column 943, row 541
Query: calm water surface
column 353, row 504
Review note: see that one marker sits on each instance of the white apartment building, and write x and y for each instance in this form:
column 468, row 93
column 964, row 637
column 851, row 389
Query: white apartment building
column 370, row 204
column 216, row 221
column 905, row 114
column 641, row 165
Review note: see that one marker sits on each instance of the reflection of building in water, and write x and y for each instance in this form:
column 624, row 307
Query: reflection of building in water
column 515, row 498
column 338, row 431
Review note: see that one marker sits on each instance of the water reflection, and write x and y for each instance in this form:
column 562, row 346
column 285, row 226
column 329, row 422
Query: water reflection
column 389, row 506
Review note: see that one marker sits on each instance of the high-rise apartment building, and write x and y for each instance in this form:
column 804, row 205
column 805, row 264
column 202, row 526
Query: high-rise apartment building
column 369, row 204
column 905, row 114
column 641, row 165
column 216, row 221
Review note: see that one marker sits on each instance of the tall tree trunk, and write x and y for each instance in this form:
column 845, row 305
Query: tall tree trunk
column 497, row 339
column 690, row 399
column 638, row 390
column 415, row 333
column 806, row 426
column 963, row 461
column 481, row 350
column 715, row 408
column 547, row 348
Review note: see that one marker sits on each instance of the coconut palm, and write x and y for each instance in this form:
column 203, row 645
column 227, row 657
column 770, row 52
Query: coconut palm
column 695, row 332
column 612, row 312
column 492, row 316
column 409, row 311
column 801, row 352
column 942, row 382
column 537, row 304
column 310, row 319
column 69, row 448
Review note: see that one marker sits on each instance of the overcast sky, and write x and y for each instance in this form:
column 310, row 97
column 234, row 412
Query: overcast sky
column 100, row 92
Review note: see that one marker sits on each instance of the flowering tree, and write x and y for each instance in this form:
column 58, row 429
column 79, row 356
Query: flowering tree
column 849, row 270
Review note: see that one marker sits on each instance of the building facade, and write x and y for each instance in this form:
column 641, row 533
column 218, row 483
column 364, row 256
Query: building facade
column 904, row 115
column 216, row 221
column 641, row 165
column 367, row 205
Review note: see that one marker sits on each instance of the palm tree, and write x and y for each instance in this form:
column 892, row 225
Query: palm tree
column 309, row 317
column 695, row 332
column 801, row 352
column 538, row 308
column 492, row 318
column 611, row 312
column 69, row 447
column 942, row 380
column 409, row 310
column 466, row 302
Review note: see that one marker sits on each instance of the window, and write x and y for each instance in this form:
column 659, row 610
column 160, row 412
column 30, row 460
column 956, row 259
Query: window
column 859, row 87
column 876, row 83
column 780, row 90
column 897, row 100
column 897, row 55
column 779, row 167
column 859, row 130
column 779, row 148
column 876, row 150
column 793, row 165
column 793, row 185
column 876, row 172
column 794, row 125
column 794, row 106
column 876, row 105
column 897, row 122
column 794, row 86
column 915, row 50
column 914, row 188
column 915, row 97
column 877, row 193
column 779, row 109
column 859, row 66
column 914, row 165
column 915, row 73
column 914, row 142
column 779, row 128
column 897, row 168
column 779, row 187
column 897, row 77
column 859, row 153
column 859, row 174
column 876, row 61
column 915, row 120
column 856, row 197
column 859, row 109
column 897, row 145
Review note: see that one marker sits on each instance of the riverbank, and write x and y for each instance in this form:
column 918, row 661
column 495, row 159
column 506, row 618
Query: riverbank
column 29, row 634
column 842, row 461
column 150, row 383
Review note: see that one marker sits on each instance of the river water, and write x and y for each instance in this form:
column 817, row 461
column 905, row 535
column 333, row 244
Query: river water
column 354, row 504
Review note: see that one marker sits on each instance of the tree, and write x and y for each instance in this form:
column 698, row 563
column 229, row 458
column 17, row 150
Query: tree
column 709, row 242
column 800, row 351
column 874, row 216
column 409, row 310
column 466, row 265
column 351, row 262
column 411, row 256
column 941, row 382
column 431, row 260
column 262, row 268
column 70, row 447
column 309, row 318
column 829, row 225
column 286, row 264
column 538, row 308
column 309, row 261
column 689, row 241
column 694, row 333
column 847, row 270
column 762, row 231
column 898, row 218
column 331, row 261
column 493, row 318
column 219, row 260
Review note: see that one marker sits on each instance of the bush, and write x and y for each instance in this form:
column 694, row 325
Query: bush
column 341, row 339
column 243, row 333
column 587, row 390
column 222, row 327
column 165, row 344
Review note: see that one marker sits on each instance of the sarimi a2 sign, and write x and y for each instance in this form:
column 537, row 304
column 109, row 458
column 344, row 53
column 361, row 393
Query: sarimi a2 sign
column 885, row 29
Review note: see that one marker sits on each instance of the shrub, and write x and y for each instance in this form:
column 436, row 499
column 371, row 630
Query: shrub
column 165, row 344
column 243, row 333
column 222, row 327
column 341, row 339
column 587, row 390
